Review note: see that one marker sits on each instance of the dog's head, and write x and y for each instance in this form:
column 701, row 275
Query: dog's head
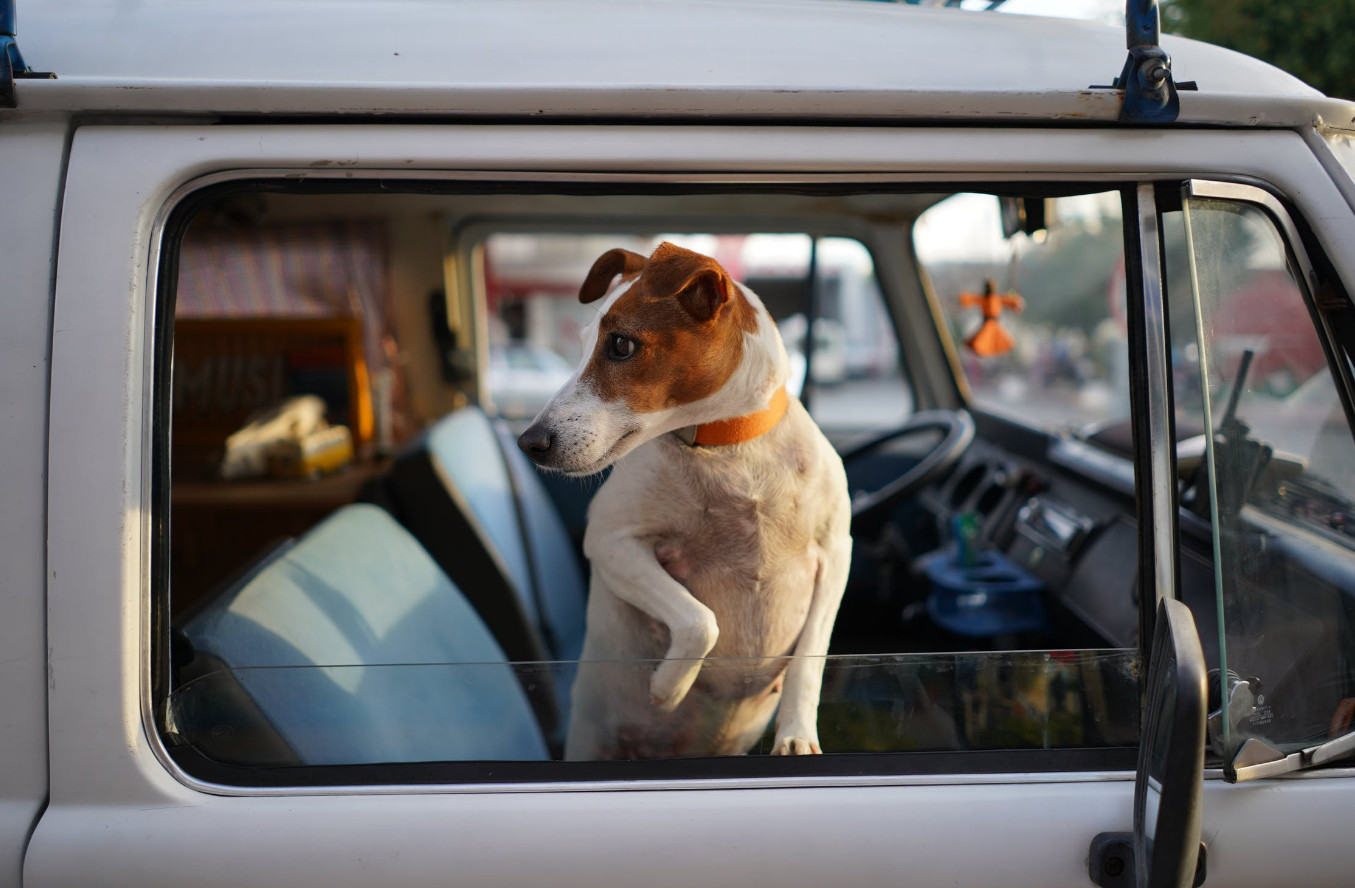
column 676, row 343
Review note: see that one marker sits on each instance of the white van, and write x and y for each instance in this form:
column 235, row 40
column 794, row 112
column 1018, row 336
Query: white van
column 361, row 678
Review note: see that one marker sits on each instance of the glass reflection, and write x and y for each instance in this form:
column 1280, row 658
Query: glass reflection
column 364, row 714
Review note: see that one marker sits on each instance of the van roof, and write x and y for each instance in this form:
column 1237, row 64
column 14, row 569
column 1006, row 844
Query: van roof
column 617, row 59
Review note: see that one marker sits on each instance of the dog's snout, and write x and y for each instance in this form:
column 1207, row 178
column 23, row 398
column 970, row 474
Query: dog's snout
column 536, row 442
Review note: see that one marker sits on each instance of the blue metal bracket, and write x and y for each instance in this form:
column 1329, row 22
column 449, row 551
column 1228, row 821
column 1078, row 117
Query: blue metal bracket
column 1150, row 93
column 12, row 64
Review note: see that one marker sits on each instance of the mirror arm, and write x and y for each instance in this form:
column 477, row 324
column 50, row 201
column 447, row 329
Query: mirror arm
column 1169, row 783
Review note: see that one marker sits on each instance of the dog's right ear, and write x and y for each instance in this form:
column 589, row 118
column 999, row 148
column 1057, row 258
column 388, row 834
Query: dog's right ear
column 605, row 270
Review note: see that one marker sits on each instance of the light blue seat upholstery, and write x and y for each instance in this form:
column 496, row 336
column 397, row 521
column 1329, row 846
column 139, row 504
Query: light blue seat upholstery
column 466, row 455
column 500, row 486
column 555, row 566
column 358, row 649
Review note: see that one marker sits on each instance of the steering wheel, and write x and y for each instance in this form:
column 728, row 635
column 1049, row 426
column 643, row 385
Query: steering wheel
column 957, row 432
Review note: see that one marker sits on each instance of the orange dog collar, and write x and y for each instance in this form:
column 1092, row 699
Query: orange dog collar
column 738, row 429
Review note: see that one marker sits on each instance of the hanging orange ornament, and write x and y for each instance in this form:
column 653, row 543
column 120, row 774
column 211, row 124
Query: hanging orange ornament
column 991, row 339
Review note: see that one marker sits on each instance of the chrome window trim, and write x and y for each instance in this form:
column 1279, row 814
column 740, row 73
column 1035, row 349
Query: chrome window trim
column 699, row 784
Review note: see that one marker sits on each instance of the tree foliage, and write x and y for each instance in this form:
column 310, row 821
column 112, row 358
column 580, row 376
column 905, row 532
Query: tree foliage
column 1312, row 39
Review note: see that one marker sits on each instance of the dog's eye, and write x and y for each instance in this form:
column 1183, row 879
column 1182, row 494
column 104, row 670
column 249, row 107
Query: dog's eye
column 620, row 348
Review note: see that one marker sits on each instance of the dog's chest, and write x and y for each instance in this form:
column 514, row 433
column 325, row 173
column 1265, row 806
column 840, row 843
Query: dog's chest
column 741, row 538
column 746, row 525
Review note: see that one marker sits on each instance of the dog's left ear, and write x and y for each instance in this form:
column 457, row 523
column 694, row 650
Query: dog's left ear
column 699, row 283
column 605, row 270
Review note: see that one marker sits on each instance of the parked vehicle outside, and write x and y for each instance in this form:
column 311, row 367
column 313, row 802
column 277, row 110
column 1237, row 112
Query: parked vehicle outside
column 522, row 378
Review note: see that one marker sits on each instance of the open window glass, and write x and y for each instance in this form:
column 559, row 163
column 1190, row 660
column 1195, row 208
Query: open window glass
column 1277, row 487
column 364, row 580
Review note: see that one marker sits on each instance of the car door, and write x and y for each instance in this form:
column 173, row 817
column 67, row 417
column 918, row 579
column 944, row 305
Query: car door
column 123, row 809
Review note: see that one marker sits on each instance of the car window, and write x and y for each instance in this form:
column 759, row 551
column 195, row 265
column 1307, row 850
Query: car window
column 1011, row 702
column 362, row 569
column 1060, row 264
column 1277, row 483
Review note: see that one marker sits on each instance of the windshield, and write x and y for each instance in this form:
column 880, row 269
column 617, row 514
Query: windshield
column 1061, row 260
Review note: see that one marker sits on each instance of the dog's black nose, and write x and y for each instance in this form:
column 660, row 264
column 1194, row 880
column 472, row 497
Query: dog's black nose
column 535, row 442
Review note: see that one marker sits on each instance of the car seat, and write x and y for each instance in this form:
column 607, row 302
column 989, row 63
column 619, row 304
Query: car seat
column 476, row 503
column 357, row 649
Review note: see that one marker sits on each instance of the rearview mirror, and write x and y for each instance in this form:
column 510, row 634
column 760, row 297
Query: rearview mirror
column 1164, row 850
column 1022, row 215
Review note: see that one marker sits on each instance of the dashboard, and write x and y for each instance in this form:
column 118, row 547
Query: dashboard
column 1061, row 510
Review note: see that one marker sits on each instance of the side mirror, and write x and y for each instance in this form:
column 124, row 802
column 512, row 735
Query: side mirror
column 1164, row 850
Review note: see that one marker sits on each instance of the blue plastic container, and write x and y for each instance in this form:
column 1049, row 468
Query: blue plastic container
column 993, row 597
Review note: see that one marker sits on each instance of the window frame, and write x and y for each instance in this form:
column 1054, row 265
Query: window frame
column 1151, row 407
column 175, row 217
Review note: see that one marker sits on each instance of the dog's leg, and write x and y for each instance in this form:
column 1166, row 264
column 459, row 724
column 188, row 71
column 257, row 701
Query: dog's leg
column 797, row 722
column 631, row 571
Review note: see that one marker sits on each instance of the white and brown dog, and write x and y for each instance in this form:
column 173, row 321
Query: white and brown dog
column 723, row 534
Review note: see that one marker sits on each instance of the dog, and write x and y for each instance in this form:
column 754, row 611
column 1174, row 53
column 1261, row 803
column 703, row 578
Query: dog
column 723, row 531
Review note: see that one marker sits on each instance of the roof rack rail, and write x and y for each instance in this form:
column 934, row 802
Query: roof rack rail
column 12, row 64
column 1150, row 93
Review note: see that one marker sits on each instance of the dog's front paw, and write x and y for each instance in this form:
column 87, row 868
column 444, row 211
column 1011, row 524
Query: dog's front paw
column 690, row 643
column 671, row 682
column 796, row 745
